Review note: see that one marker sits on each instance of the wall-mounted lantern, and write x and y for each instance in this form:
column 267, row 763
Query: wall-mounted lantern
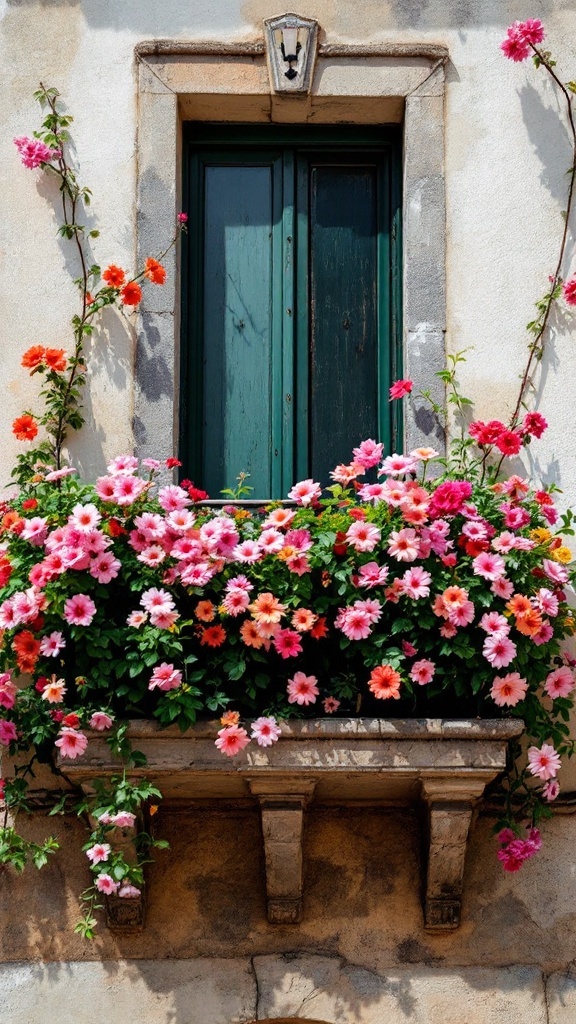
column 291, row 43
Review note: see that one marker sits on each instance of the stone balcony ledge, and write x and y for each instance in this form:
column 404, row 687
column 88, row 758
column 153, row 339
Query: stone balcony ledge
column 442, row 766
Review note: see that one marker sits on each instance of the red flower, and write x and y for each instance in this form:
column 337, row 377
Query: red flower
column 509, row 442
column 131, row 294
column 534, row 424
column 29, row 504
column 27, row 649
column 182, row 218
column 114, row 276
column 5, row 571
column 55, row 359
column 213, row 636
column 24, row 428
column 319, row 629
column 340, row 547
column 71, row 720
column 33, row 357
column 171, row 462
column 115, row 529
column 154, row 271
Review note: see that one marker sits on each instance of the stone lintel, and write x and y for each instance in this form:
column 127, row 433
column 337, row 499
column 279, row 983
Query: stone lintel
column 282, row 803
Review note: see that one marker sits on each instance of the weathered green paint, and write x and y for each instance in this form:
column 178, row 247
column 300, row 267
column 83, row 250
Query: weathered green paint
column 289, row 342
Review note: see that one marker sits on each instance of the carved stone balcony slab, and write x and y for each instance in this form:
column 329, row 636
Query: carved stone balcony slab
column 441, row 765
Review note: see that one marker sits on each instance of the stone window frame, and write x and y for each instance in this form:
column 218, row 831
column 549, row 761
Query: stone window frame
column 366, row 84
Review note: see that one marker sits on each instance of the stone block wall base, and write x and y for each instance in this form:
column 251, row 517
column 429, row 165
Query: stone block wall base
column 289, row 987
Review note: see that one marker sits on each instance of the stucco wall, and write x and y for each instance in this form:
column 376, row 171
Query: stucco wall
column 505, row 161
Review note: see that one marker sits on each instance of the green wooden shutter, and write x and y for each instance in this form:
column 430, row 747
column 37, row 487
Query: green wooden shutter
column 288, row 331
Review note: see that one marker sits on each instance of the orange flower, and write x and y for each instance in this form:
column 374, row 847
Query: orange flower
column 56, row 359
column 154, row 271
column 519, row 605
column 24, row 428
column 250, row 635
column 10, row 520
column 385, row 682
column 303, row 620
column 230, row 718
column 205, row 611
column 266, row 608
column 213, row 636
column 529, row 624
column 33, row 357
column 114, row 276
column 131, row 294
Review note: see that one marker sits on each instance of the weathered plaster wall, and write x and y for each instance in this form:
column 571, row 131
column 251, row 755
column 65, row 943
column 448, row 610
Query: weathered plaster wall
column 505, row 161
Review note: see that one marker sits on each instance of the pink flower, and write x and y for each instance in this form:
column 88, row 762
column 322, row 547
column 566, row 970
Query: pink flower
column 372, row 575
column 550, row 790
column 7, row 732
column 531, row 30
column 84, row 518
column 502, row 588
column 79, row 610
column 354, row 622
column 490, row 566
column 495, row 624
column 305, row 492
column 165, row 677
column 157, row 600
column 404, row 545
column 106, row 884
column 247, row 552
column 302, row 689
column 182, row 218
column 33, row 152
column 422, row 672
column 408, row 649
column 544, row 762
column 136, row 619
column 236, row 601
column 152, row 555
column 499, row 650
column 555, row 572
column 8, row 691
column 398, row 465
column 559, row 683
column 569, row 290
column 368, row 454
column 416, row 583
column 330, row 705
column 508, row 690
column 101, row 721
column 463, row 615
column 129, row 892
column 232, row 740
column 127, row 489
column 401, row 388
column 98, row 853
column 373, row 492
column 362, row 536
column 265, row 731
column 52, row 644
column 123, row 464
column 71, row 743
column 105, row 568
column 123, row 819
column 288, row 643
column 59, row 474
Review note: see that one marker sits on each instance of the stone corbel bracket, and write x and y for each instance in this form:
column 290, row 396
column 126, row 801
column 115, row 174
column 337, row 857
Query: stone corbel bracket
column 282, row 802
column 449, row 804
column 125, row 915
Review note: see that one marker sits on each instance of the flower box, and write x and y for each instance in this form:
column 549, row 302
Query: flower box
column 443, row 766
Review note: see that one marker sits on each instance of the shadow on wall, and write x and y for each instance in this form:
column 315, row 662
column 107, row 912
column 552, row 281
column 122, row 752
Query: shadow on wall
column 196, row 16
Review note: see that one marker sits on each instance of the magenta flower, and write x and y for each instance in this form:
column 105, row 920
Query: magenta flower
column 305, row 492
column 551, row 790
column 33, row 152
column 569, row 290
column 288, row 643
column 400, row 388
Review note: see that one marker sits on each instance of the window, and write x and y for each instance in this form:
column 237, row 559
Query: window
column 290, row 300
